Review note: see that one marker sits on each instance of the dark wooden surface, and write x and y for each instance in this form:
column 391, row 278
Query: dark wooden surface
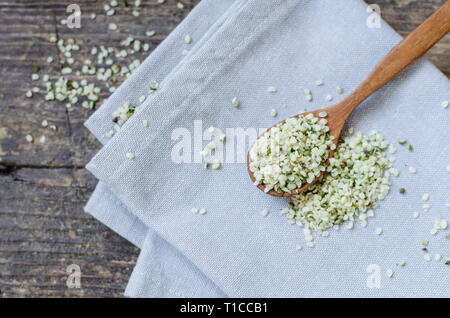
column 43, row 187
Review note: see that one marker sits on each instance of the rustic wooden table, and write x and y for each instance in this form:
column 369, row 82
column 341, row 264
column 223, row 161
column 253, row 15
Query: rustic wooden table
column 44, row 186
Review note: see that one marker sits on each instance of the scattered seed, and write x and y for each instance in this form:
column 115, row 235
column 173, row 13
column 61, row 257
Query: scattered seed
column 202, row 211
column 329, row 97
column 389, row 273
column 402, row 141
column 43, row 139
column 339, row 90
column 142, row 98
column 150, row 33
column 109, row 134
column 185, row 52
column 194, row 210
column 145, row 122
column 444, row 104
column 130, row 155
column 216, row 164
column 412, row 170
column 271, row 89
column 154, row 86
column 425, row 197
column 112, row 26
column 235, row 102
column 29, row 138
column 394, row 172
column 416, row 215
column 319, row 82
column 265, row 212
column 298, row 247
column 187, row 39
column 378, row 231
column 273, row 113
column 427, row 257
column 323, row 114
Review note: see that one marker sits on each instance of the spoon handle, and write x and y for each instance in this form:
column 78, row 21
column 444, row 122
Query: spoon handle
column 403, row 54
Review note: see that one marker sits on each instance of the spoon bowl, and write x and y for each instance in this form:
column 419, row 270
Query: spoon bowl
column 335, row 124
column 398, row 59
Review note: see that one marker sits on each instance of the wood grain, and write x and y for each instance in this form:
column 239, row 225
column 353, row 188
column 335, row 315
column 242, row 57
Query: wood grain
column 43, row 187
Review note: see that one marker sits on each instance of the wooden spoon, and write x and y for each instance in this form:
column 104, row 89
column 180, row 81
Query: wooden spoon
column 399, row 58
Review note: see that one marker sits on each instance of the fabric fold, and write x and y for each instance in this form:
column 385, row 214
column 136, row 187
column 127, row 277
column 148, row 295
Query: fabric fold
column 203, row 21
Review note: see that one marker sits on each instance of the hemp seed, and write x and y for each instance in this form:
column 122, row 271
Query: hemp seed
column 235, row 102
column 29, row 138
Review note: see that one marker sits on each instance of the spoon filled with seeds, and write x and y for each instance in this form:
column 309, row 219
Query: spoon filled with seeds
column 293, row 154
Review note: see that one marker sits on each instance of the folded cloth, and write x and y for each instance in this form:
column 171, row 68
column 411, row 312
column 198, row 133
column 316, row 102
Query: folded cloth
column 289, row 45
column 103, row 205
column 161, row 271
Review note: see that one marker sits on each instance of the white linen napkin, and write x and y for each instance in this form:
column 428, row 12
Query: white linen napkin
column 287, row 44
column 103, row 205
